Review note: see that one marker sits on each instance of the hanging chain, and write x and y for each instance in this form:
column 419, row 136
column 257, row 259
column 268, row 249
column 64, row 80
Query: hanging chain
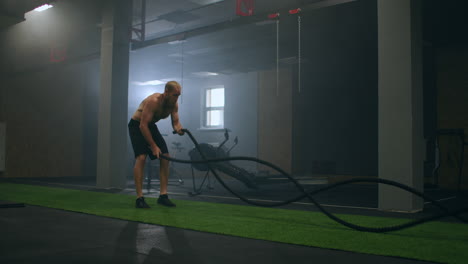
column 182, row 70
column 299, row 52
column 277, row 57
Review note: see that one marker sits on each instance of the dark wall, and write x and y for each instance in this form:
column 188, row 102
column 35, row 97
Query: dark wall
column 452, row 89
column 445, row 96
column 50, row 64
column 335, row 113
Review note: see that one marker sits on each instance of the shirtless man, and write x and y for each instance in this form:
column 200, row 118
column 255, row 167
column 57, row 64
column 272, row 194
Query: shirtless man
column 147, row 140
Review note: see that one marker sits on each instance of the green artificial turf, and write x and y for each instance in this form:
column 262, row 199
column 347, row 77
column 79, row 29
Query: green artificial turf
column 434, row 241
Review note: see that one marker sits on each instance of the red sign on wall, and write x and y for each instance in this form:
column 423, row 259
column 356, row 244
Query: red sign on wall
column 244, row 7
column 58, row 53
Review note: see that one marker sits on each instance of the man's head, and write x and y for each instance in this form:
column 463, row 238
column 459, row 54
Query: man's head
column 172, row 92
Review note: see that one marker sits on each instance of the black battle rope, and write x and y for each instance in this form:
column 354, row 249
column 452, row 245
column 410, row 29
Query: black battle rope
column 446, row 212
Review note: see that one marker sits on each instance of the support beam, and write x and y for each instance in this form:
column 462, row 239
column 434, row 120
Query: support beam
column 113, row 98
column 401, row 142
column 230, row 23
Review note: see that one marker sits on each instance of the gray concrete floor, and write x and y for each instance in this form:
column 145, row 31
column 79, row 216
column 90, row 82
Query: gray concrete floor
column 34, row 234
column 42, row 235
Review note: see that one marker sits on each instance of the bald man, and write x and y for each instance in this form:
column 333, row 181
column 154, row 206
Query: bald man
column 148, row 141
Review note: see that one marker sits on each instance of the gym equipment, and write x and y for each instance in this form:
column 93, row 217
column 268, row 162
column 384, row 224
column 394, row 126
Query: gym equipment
column 226, row 167
column 209, row 162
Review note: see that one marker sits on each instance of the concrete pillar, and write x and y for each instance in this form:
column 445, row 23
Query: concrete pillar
column 112, row 120
column 2, row 146
column 401, row 142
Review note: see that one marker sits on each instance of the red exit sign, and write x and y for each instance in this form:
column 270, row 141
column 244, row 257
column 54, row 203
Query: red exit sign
column 244, row 7
column 58, row 53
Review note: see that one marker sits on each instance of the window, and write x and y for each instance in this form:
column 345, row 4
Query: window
column 213, row 116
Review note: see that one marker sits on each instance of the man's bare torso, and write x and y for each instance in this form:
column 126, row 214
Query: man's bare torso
column 162, row 110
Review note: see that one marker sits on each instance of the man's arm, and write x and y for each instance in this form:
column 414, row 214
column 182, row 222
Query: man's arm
column 175, row 120
column 146, row 117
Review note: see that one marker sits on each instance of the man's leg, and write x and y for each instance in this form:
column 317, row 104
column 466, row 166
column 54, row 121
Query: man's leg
column 163, row 174
column 138, row 172
column 163, row 180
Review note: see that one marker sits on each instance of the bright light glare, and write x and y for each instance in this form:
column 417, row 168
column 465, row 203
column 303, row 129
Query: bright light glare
column 176, row 42
column 204, row 74
column 214, row 118
column 215, row 97
column 43, row 7
column 153, row 82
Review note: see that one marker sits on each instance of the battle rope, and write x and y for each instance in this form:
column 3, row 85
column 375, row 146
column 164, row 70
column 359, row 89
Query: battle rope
column 446, row 212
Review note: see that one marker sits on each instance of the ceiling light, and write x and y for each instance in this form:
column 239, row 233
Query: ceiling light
column 205, row 2
column 153, row 82
column 169, row 79
column 43, row 7
column 205, row 74
column 176, row 42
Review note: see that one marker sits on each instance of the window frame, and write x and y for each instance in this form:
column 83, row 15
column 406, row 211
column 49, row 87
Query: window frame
column 206, row 109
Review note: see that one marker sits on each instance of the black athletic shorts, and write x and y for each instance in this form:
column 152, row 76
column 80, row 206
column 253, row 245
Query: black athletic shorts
column 139, row 144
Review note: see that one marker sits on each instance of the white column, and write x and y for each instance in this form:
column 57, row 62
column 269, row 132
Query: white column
column 2, row 146
column 401, row 142
column 113, row 98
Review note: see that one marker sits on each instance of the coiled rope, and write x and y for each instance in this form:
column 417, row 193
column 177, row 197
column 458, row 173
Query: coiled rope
column 445, row 211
